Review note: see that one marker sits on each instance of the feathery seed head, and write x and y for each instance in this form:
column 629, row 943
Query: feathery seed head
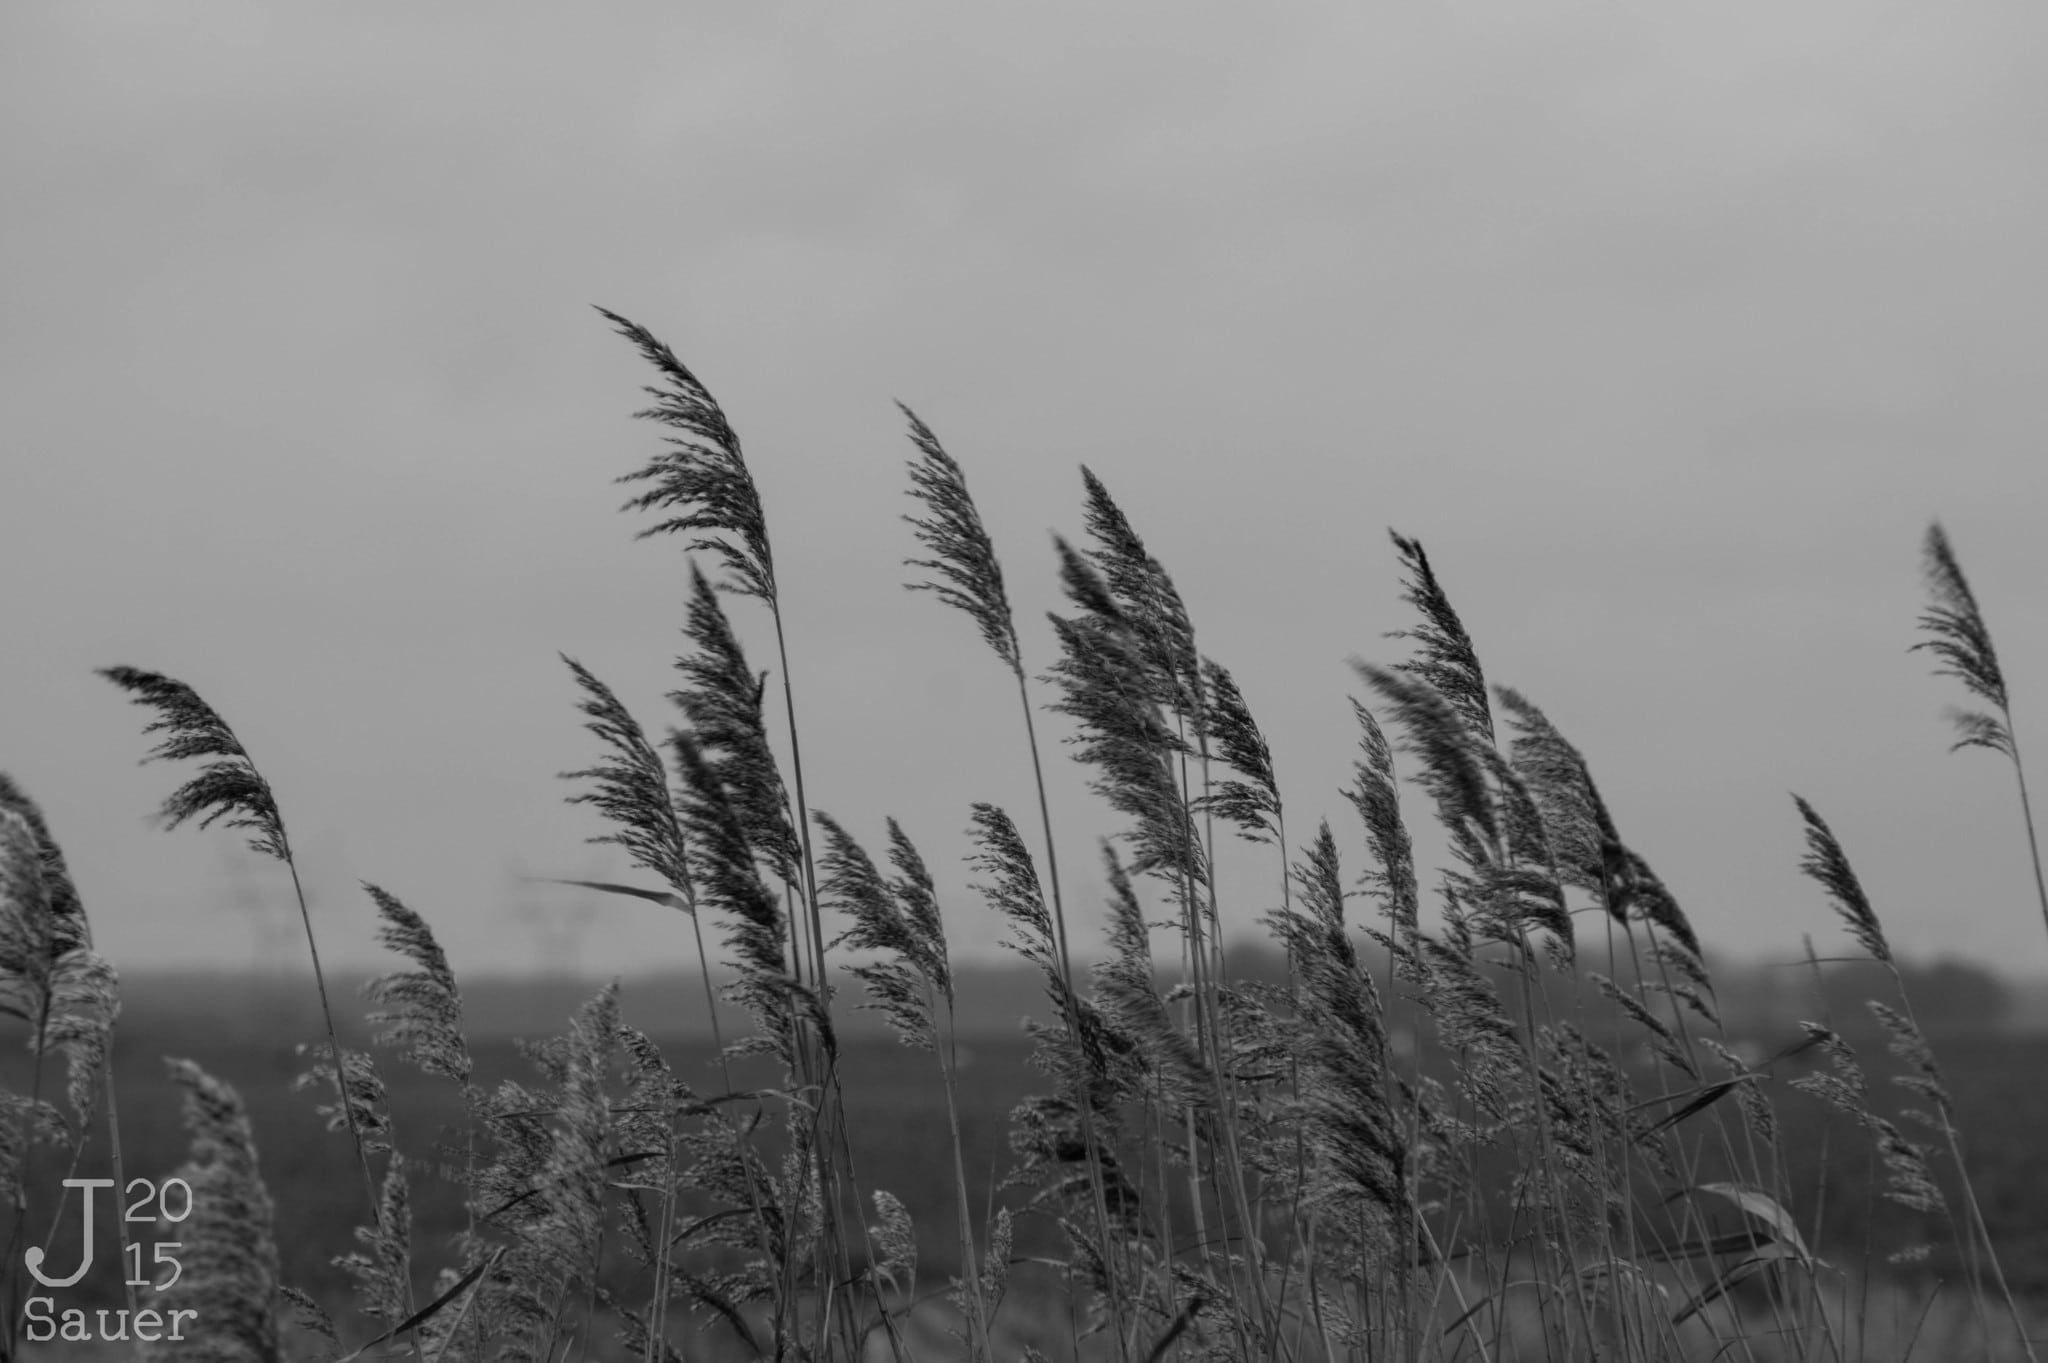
column 728, row 881
column 228, row 787
column 722, row 699
column 629, row 786
column 1253, row 804
column 882, row 915
column 1012, row 887
column 968, row 576
column 1375, row 794
column 50, row 977
column 1148, row 602
column 230, row 1260
column 1960, row 640
column 702, row 472
column 1451, row 770
column 68, row 925
column 420, row 1009
column 1447, row 661
column 1826, row 863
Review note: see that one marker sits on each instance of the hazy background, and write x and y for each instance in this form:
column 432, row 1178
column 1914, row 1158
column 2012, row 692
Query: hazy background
column 1666, row 328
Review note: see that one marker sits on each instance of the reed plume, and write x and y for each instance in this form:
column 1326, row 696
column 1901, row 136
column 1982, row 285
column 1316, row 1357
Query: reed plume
column 1826, row 863
column 1960, row 641
column 67, row 927
column 382, row 1267
column 899, row 920
column 1447, row 660
column 1107, row 688
column 728, row 881
column 966, row 574
column 629, row 787
column 555, row 1218
column 721, row 697
column 420, row 1010
column 701, row 473
column 230, row 790
column 1357, row 1184
column 1128, row 997
column 1587, row 847
column 1449, row 767
column 230, row 1267
column 1147, row 601
column 1375, row 794
column 52, row 978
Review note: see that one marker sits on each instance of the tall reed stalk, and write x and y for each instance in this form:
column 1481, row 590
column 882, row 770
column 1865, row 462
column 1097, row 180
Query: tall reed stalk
column 1960, row 640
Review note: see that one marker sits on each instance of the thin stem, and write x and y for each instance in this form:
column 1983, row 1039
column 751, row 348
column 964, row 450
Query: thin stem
column 1059, row 921
column 2019, row 772
column 1955, row 1149
column 725, row 1109
column 348, row 1108
column 822, row 1126
column 949, row 1062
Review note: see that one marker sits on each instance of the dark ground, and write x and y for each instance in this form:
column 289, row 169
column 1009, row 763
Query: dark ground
column 247, row 1034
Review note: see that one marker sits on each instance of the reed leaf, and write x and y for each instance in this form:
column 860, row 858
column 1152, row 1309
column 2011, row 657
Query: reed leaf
column 722, row 698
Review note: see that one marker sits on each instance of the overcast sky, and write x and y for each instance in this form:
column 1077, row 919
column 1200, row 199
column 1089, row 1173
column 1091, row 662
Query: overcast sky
column 1666, row 328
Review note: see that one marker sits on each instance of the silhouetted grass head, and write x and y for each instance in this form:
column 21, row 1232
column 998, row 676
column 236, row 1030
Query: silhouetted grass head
column 1447, row 660
column 1827, row 864
column 1961, row 642
column 1147, row 600
column 722, row 698
column 726, row 878
column 900, row 919
column 419, row 1009
column 1252, row 805
column 1375, row 794
column 967, row 575
column 66, row 913
column 50, row 978
column 629, row 786
column 702, row 473
column 228, row 788
column 1449, row 767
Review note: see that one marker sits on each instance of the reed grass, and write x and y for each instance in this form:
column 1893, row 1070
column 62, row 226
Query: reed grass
column 1228, row 1170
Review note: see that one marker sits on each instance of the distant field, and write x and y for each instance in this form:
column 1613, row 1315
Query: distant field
column 898, row 1125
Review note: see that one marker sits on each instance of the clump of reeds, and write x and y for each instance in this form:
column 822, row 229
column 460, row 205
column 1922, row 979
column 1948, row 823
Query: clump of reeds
column 65, row 994
column 1491, row 1130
